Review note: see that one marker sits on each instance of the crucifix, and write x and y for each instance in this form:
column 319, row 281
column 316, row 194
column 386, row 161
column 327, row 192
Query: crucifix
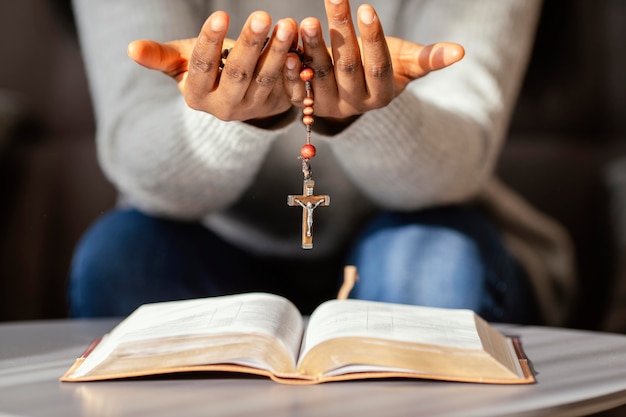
column 308, row 202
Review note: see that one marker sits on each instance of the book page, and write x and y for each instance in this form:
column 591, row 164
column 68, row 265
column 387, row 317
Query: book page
column 254, row 313
column 398, row 322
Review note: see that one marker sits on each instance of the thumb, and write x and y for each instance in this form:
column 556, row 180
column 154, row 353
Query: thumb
column 416, row 60
column 157, row 56
column 439, row 55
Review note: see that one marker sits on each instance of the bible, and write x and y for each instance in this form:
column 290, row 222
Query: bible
column 265, row 334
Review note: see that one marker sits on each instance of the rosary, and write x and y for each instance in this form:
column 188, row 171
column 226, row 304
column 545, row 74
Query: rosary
column 308, row 201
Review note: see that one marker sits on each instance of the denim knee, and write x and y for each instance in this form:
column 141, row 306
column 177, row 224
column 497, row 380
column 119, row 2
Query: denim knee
column 417, row 263
column 127, row 258
column 447, row 257
column 102, row 261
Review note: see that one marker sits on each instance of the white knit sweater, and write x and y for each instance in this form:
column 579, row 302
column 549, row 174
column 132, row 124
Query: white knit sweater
column 437, row 143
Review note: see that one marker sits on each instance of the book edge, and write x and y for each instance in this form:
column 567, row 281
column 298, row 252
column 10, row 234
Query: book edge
column 297, row 379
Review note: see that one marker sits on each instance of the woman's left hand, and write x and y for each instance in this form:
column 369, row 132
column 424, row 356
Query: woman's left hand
column 358, row 74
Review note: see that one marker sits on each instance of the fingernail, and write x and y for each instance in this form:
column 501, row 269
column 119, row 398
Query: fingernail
column 309, row 28
column 291, row 62
column 366, row 14
column 453, row 54
column 282, row 32
column 258, row 24
column 336, row 1
column 217, row 24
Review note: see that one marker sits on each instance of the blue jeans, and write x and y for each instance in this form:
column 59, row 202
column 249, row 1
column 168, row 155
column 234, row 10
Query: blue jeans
column 448, row 257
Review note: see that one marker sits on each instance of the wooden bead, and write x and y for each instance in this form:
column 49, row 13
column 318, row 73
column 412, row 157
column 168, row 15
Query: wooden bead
column 308, row 101
column 307, row 74
column 307, row 111
column 307, row 151
column 307, row 120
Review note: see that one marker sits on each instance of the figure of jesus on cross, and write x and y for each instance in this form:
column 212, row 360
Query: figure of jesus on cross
column 308, row 202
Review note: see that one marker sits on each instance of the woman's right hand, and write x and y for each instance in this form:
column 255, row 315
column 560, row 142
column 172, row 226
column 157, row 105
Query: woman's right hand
column 250, row 85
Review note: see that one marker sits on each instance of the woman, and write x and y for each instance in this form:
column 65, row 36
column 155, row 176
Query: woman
column 405, row 147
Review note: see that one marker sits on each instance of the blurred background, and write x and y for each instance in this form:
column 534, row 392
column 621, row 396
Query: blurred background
column 566, row 152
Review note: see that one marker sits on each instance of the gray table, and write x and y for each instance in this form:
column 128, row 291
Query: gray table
column 578, row 373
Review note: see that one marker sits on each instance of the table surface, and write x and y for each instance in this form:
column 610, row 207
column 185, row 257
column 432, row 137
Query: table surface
column 578, row 373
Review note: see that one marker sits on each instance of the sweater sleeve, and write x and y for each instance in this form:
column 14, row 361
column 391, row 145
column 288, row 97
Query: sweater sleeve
column 163, row 157
column 439, row 140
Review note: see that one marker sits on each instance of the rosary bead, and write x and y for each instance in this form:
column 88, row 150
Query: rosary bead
column 307, row 74
column 308, row 111
column 307, row 151
column 307, row 120
column 308, row 101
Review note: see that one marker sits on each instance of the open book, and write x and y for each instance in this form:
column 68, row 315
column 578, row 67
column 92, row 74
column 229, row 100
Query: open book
column 265, row 334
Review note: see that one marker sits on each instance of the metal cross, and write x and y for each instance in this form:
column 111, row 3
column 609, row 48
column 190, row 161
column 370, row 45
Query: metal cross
column 308, row 202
